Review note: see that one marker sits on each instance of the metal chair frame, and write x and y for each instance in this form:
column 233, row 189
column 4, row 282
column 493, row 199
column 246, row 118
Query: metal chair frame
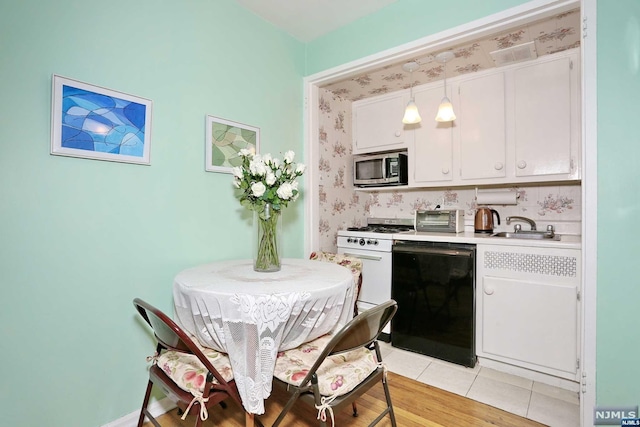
column 171, row 337
column 362, row 331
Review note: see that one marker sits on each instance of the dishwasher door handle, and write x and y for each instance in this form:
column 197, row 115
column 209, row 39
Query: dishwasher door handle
column 367, row 257
column 434, row 251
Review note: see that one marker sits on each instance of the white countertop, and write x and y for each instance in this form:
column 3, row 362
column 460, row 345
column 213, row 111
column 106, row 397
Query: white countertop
column 567, row 241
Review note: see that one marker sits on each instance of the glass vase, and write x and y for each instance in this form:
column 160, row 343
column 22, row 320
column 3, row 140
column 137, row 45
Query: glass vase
column 267, row 226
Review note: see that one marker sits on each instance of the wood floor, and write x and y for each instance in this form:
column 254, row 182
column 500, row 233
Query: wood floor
column 415, row 405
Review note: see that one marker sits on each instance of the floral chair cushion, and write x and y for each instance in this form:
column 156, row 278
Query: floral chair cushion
column 338, row 374
column 189, row 373
column 352, row 263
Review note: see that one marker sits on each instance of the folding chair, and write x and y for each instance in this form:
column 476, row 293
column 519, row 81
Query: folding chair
column 194, row 377
column 334, row 370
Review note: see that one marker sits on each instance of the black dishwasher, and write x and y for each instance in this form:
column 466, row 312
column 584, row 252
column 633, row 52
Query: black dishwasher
column 434, row 285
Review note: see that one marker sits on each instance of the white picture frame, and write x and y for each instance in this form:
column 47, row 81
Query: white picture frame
column 94, row 122
column 224, row 139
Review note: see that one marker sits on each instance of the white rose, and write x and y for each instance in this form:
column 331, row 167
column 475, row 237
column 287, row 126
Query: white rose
column 244, row 152
column 271, row 178
column 288, row 156
column 276, row 163
column 300, row 169
column 285, row 191
column 236, row 183
column 258, row 189
column 267, row 158
column 257, row 167
column 237, row 172
column 294, row 185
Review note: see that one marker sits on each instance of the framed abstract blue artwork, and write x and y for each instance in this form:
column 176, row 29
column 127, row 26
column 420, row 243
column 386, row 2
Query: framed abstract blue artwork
column 98, row 123
column 224, row 140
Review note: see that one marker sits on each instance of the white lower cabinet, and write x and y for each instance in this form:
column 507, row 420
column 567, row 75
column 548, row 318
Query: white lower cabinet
column 528, row 308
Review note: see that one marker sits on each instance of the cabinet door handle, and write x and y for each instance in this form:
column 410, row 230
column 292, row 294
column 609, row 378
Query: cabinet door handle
column 398, row 133
column 488, row 290
column 522, row 164
column 445, row 171
column 498, row 166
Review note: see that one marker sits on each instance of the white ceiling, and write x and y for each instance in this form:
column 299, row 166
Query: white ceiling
column 309, row 19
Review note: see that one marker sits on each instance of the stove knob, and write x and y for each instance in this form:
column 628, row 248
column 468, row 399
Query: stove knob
column 348, row 239
column 362, row 242
column 370, row 242
column 375, row 243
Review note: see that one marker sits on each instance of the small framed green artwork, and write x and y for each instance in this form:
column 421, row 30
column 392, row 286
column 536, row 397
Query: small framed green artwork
column 224, row 140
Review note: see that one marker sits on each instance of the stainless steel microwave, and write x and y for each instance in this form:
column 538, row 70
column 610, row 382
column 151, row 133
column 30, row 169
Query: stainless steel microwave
column 380, row 169
column 446, row 221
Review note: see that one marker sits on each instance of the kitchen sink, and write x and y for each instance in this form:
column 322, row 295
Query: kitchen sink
column 532, row 235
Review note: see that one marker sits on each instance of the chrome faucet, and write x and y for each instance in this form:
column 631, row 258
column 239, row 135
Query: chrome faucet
column 531, row 222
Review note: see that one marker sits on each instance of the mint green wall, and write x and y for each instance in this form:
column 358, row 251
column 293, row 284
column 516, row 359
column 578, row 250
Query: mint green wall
column 398, row 23
column 618, row 325
column 79, row 239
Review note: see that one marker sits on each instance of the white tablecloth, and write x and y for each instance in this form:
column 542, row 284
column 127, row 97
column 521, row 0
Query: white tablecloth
column 252, row 315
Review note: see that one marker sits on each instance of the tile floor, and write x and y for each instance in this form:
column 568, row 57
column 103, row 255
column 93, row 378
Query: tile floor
column 530, row 399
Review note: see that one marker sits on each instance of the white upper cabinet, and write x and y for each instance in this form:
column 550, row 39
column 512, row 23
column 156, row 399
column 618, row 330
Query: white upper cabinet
column 481, row 123
column 377, row 123
column 546, row 131
column 518, row 123
column 431, row 155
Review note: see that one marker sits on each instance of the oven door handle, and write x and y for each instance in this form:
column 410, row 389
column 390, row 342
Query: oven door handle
column 367, row 257
column 435, row 251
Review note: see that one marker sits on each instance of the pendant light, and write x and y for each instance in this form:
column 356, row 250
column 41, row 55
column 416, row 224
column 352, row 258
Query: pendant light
column 445, row 110
column 411, row 114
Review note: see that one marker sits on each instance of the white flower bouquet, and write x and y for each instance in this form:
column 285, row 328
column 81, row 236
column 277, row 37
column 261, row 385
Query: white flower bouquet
column 266, row 185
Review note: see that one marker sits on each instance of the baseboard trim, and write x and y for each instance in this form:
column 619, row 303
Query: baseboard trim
column 156, row 408
column 529, row 374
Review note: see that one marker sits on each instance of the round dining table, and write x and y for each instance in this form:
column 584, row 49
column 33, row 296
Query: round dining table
column 252, row 315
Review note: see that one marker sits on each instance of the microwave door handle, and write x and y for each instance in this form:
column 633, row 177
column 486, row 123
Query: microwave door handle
column 385, row 162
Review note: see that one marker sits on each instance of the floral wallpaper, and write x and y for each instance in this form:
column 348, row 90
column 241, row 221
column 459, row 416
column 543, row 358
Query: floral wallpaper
column 549, row 35
column 342, row 206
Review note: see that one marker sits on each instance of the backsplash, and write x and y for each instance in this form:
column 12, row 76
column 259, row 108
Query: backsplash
column 341, row 206
column 546, row 205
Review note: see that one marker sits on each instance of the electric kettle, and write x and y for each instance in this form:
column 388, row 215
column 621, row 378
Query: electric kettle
column 484, row 220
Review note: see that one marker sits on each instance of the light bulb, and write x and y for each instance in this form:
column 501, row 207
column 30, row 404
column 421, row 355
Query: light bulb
column 411, row 114
column 445, row 111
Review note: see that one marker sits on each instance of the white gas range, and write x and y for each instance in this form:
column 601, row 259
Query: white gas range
column 372, row 244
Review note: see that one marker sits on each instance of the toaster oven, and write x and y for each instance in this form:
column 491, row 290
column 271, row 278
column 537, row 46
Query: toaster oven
column 443, row 221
